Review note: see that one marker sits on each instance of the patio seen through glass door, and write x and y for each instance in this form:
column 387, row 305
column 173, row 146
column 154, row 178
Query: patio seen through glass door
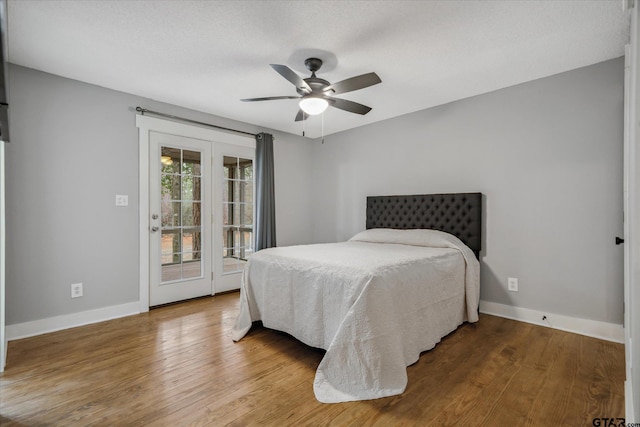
column 237, row 212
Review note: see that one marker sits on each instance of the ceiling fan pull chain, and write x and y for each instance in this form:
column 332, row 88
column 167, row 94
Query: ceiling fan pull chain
column 323, row 128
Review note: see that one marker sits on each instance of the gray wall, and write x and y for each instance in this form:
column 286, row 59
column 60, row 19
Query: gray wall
column 74, row 147
column 546, row 154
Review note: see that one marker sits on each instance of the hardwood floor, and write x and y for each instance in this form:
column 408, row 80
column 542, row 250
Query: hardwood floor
column 177, row 365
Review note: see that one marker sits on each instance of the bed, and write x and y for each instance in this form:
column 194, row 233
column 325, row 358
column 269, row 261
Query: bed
column 375, row 302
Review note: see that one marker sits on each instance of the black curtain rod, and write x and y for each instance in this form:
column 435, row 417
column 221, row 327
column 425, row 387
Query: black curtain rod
column 144, row 110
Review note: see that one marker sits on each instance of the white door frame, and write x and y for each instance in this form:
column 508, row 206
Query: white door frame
column 629, row 197
column 3, row 332
column 145, row 125
column 632, row 209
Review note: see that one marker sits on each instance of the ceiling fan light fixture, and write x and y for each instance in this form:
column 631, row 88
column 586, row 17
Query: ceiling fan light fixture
column 313, row 105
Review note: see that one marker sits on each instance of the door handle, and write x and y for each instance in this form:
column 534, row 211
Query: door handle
column 619, row 241
column 154, row 229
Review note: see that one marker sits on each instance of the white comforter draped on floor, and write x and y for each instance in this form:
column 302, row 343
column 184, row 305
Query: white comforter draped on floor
column 374, row 303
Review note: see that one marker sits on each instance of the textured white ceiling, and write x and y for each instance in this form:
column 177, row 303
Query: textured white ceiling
column 207, row 55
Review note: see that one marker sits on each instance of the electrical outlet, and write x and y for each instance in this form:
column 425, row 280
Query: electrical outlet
column 76, row 290
column 512, row 284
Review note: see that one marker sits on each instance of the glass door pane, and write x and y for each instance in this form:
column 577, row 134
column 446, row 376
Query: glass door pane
column 237, row 213
column 180, row 207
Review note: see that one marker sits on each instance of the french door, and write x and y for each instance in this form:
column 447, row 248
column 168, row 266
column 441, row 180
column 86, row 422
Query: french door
column 180, row 218
column 196, row 210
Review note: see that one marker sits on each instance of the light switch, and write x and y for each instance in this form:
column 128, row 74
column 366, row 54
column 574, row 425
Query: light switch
column 122, row 200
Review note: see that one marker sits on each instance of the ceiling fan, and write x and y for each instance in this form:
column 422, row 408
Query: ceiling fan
column 316, row 94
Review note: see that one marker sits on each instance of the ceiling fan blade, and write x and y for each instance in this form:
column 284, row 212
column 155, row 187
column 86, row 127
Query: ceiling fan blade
column 269, row 98
column 350, row 106
column 291, row 75
column 301, row 116
column 354, row 83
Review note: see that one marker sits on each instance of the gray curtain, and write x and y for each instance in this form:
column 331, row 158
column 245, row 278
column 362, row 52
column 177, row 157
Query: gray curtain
column 265, row 203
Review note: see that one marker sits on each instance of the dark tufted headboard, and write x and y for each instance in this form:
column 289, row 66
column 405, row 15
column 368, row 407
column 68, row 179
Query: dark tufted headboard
column 459, row 214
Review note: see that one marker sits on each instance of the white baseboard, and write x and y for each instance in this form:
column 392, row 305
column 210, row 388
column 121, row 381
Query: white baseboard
column 52, row 324
column 628, row 403
column 590, row 328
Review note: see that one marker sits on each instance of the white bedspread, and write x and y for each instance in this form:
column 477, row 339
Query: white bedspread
column 374, row 303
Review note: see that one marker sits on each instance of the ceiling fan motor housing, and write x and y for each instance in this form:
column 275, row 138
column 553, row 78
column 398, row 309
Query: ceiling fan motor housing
column 313, row 64
column 316, row 84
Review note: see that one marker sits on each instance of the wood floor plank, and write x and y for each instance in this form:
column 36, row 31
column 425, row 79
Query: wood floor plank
column 552, row 403
column 177, row 365
column 451, row 362
column 474, row 385
column 231, row 400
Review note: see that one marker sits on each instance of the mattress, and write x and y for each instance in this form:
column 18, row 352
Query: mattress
column 374, row 303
